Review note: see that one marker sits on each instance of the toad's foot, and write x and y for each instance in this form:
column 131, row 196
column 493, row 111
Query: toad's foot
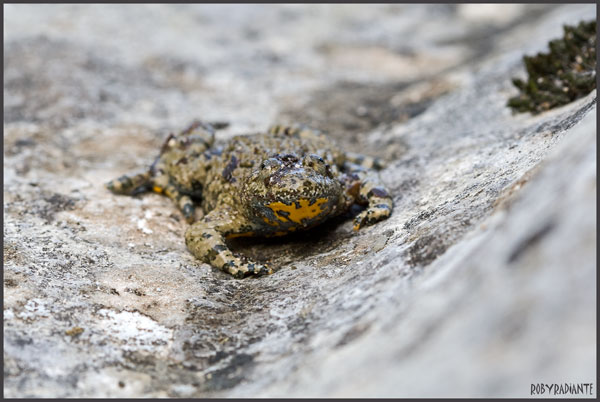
column 131, row 185
column 370, row 193
column 205, row 239
column 373, row 214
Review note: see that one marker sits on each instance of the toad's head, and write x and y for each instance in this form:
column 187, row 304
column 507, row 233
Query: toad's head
column 287, row 192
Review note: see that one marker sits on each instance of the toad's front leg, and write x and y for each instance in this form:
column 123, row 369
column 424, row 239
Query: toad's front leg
column 370, row 192
column 206, row 240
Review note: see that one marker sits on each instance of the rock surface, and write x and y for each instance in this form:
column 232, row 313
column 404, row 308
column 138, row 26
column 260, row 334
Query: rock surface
column 480, row 284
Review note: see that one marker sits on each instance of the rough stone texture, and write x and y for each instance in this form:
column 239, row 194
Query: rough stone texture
column 480, row 284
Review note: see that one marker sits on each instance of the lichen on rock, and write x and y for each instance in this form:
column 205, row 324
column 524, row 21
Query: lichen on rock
column 566, row 73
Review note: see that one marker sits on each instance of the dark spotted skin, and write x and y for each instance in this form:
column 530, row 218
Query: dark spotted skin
column 269, row 184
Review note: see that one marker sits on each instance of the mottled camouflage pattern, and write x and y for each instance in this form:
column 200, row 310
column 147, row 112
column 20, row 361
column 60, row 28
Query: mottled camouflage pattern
column 270, row 184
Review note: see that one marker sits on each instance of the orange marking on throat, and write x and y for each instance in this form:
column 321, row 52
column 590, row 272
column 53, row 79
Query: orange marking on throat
column 305, row 211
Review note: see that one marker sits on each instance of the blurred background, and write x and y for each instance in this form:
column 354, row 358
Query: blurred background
column 166, row 64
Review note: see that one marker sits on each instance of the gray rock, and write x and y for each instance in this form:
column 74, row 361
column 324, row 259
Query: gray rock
column 480, row 284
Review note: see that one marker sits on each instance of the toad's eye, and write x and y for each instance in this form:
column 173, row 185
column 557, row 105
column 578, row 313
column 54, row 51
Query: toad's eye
column 317, row 163
column 289, row 158
column 270, row 164
column 312, row 160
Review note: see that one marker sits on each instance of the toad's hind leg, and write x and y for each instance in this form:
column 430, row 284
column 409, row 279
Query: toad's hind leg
column 182, row 201
column 131, row 185
column 146, row 181
column 372, row 193
column 206, row 240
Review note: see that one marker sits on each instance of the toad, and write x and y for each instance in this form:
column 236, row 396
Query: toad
column 287, row 179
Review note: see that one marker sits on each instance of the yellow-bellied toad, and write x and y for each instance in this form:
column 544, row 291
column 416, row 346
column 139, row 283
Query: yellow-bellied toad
column 270, row 184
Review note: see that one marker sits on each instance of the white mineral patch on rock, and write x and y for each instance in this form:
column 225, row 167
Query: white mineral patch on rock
column 133, row 330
